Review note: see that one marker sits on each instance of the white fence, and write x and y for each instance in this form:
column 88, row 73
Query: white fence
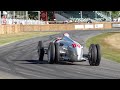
column 21, row 21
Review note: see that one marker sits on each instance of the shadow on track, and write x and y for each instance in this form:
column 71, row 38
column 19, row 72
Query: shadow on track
column 46, row 62
column 72, row 63
column 31, row 61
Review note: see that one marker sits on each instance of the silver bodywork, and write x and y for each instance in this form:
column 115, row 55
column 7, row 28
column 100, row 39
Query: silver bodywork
column 69, row 52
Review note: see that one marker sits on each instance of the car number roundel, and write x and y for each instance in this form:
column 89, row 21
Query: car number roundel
column 74, row 45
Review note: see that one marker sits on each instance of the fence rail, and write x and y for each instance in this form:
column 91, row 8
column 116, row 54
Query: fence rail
column 38, row 22
column 30, row 22
column 16, row 28
column 21, row 21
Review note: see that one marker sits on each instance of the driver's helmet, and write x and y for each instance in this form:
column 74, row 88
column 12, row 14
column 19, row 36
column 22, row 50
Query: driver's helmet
column 66, row 34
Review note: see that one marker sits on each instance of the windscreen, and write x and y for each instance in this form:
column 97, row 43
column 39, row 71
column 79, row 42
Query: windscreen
column 67, row 39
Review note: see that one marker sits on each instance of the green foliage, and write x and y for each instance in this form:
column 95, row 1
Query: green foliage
column 115, row 14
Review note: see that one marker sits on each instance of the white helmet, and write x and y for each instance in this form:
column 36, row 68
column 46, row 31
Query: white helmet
column 66, row 34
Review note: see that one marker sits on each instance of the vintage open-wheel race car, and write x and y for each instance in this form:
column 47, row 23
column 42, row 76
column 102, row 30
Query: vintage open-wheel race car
column 67, row 49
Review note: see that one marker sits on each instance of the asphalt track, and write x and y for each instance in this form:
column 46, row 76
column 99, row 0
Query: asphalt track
column 20, row 60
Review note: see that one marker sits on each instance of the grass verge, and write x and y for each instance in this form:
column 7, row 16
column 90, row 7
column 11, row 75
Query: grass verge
column 8, row 38
column 107, row 50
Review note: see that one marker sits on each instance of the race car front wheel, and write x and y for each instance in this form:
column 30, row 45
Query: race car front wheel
column 98, row 55
column 40, row 50
column 56, row 52
column 51, row 53
column 92, row 55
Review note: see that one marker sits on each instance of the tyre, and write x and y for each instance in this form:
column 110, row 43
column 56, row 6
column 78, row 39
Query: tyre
column 92, row 55
column 56, row 52
column 98, row 55
column 51, row 53
column 40, row 50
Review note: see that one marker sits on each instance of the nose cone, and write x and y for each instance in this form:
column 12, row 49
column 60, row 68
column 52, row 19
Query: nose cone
column 78, row 53
column 75, row 52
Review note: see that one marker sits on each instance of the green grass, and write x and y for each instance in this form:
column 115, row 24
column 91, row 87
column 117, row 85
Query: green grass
column 107, row 51
column 8, row 38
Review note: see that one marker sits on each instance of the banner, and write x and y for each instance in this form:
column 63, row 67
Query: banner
column 98, row 25
column 44, row 16
column 89, row 26
column 79, row 26
column 116, row 25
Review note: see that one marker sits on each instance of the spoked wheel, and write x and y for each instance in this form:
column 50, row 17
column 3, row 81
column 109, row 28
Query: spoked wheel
column 40, row 50
column 56, row 53
column 94, row 55
column 51, row 53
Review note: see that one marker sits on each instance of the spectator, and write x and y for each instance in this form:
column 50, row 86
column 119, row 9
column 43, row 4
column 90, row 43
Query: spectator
column 89, row 21
column 103, row 19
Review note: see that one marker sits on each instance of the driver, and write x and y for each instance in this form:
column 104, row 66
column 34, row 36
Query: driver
column 60, row 38
column 66, row 34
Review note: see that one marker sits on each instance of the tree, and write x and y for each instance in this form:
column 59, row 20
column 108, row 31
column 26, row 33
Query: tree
column 115, row 14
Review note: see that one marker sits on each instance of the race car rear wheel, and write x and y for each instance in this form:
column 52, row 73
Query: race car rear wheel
column 92, row 55
column 40, row 50
column 56, row 52
column 98, row 55
column 51, row 53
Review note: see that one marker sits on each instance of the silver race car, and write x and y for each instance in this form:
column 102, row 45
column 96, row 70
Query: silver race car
column 66, row 49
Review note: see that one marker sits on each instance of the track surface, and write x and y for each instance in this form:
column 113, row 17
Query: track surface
column 20, row 60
